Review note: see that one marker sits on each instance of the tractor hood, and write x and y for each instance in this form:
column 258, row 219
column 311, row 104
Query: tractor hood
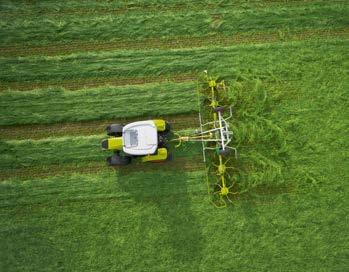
column 140, row 138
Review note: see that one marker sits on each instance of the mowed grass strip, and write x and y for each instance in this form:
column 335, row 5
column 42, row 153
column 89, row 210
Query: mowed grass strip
column 285, row 60
column 79, row 187
column 45, row 28
column 39, row 131
column 191, row 163
column 80, row 83
column 8, row 8
column 175, row 42
column 57, row 105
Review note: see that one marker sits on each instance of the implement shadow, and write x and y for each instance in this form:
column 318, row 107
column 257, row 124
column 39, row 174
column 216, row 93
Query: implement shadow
column 168, row 191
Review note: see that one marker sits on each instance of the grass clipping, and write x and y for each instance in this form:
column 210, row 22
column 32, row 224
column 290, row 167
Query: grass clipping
column 260, row 140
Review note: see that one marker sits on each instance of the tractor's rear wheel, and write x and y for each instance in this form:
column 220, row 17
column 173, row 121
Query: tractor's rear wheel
column 166, row 133
column 117, row 160
column 167, row 127
column 114, row 130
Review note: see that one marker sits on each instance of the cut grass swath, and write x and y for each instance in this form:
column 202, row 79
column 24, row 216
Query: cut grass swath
column 48, row 106
column 267, row 36
column 221, row 21
column 303, row 57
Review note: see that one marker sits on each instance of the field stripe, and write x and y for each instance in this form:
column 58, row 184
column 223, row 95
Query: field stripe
column 121, row 8
column 266, row 60
column 187, row 164
column 104, row 27
column 100, row 187
column 77, row 84
column 49, row 106
column 57, row 152
column 172, row 43
column 23, row 132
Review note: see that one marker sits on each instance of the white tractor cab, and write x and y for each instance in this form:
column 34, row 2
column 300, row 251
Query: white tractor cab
column 145, row 139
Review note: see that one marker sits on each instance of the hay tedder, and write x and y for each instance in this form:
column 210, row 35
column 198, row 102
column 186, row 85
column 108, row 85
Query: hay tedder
column 215, row 136
column 148, row 140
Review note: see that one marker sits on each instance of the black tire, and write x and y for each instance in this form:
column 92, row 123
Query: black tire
column 224, row 152
column 162, row 140
column 221, row 109
column 167, row 127
column 169, row 157
column 117, row 160
column 114, row 130
column 104, row 144
column 166, row 133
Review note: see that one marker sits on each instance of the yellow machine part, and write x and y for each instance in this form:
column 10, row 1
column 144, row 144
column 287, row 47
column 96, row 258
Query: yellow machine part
column 115, row 143
column 160, row 124
column 212, row 83
column 161, row 155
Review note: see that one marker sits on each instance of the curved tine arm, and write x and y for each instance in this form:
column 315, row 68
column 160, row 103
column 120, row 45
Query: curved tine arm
column 231, row 186
column 218, row 206
column 223, row 201
column 235, row 152
column 227, row 161
column 229, row 199
column 229, row 176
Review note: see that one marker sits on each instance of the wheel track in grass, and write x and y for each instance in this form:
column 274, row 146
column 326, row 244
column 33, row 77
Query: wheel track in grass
column 170, row 43
column 19, row 132
column 184, row 163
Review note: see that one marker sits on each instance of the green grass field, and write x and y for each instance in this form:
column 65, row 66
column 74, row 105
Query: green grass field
column 68, row 68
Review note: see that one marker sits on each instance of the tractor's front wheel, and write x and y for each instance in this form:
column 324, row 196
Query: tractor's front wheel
column 117, row 160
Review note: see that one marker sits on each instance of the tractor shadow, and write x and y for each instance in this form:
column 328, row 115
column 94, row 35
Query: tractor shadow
column 168, row 192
